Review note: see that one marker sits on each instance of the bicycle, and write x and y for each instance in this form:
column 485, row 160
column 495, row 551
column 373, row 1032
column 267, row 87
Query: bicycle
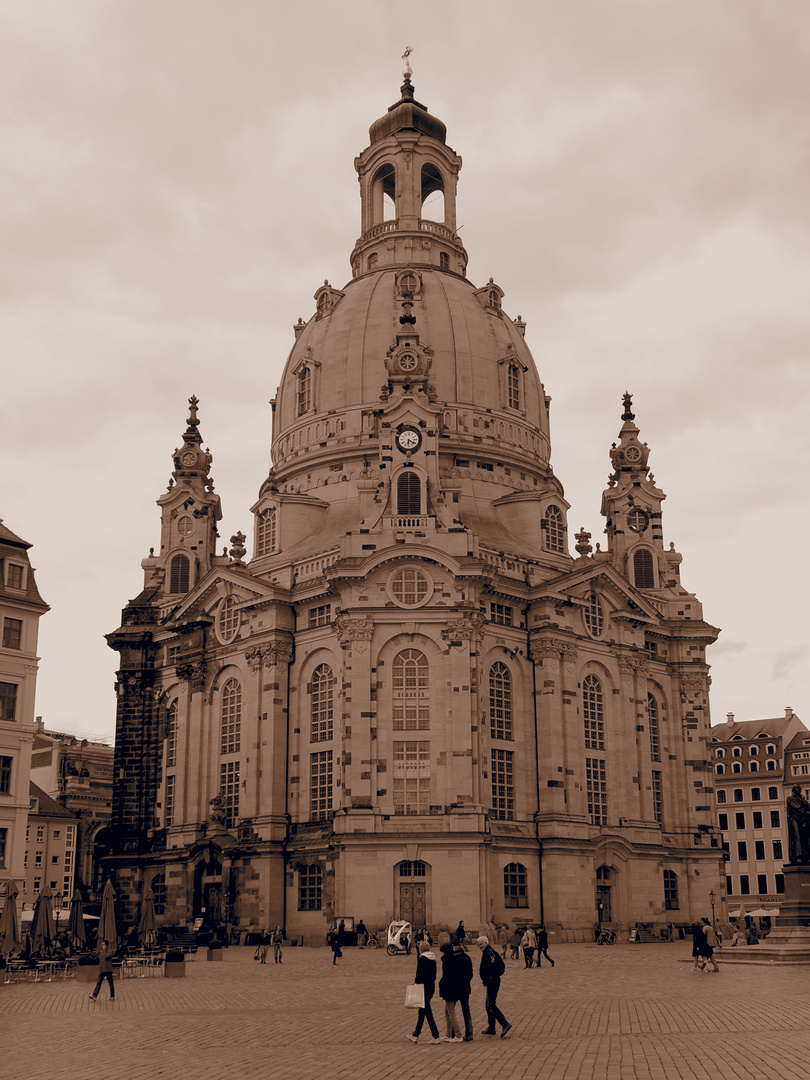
column 372, row 941
column 606, row 937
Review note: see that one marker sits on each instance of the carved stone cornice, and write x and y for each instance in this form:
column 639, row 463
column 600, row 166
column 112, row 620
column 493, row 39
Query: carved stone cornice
column 194, row 673
column 547, row 649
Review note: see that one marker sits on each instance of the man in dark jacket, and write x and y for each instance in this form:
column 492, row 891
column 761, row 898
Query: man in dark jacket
column 491, row 969
column 455, row 986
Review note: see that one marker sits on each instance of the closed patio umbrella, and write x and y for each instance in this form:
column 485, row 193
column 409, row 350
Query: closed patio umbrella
column 9, row 925
column 75, row 927
column 42, row 928
column 107, row 928
column 148, row 923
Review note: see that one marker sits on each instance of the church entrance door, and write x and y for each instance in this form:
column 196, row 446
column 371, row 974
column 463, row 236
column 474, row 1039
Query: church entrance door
column 412, row 904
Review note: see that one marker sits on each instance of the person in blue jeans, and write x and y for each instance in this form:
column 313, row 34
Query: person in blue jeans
column 426, row 976
column 104, row 969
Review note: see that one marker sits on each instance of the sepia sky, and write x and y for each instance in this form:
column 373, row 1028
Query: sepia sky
column 178, row 180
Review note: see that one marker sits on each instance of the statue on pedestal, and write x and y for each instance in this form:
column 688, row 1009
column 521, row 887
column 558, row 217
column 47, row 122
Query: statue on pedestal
column 798, row 815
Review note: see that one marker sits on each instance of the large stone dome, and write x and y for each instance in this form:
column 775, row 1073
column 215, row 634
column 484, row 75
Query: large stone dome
column 471, row 344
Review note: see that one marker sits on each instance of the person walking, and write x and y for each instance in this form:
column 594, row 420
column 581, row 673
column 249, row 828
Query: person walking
column 490, row 971
column 264, row 943
column 277, row 939
column 711, row 943
column 362, row 934
column 542, row 945
column 461, row 935
column 333, row 941
column 426, row 977
column 454, row 987
column 529, row 945
column 104, row 969
column 514, row 944
column 699, row 947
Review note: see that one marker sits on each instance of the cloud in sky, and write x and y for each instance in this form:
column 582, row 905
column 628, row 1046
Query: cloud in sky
column 180, row 180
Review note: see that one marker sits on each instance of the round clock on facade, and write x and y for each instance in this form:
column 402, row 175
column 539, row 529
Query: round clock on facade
column 189, row 458
column 408, row 439
column 632, row 453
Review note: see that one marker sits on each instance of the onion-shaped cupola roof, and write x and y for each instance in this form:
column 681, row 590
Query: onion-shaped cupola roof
column 407, row 114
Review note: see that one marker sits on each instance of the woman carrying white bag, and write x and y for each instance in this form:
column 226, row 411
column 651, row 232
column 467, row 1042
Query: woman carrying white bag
column 419, row 993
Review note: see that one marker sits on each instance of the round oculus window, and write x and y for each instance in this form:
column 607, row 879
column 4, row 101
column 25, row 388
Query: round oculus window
column 638, row 520
column 632, row 453
column 185, row 526
column 409, row 587
column 228, row 620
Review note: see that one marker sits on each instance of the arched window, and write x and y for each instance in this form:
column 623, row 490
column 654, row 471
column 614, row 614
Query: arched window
column 652, row 723
column 720, row 796
column 736, row 767
column 266, row 531
column 231, row 717
column 515, row 892
column 554, row 529
column 171, row 735
column 178, row 574
column 500, row 701
column 372, row 260
column 321, row 707
column 410, row 691
column 594, row 616
column 770, row 766
column 513, row 386
column 643, row 572
column 415, row 868
column 409, row 493
column 304, row 390
column 432, row 194
column 753, row 766
column 720, row 769
column 228, row 620
column 671, row 890
column 159, row 893
column 593, row 712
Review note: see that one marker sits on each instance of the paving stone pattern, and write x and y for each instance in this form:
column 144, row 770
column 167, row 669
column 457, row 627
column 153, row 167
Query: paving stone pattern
column 627, row 1012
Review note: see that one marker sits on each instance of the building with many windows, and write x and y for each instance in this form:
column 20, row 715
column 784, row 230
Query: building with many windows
column 410, row 698
column 21, row 607
column 78, row 773
column 50, row 851
column 752, row 781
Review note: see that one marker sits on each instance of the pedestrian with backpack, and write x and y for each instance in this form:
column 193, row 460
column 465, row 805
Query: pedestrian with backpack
column 490, row 971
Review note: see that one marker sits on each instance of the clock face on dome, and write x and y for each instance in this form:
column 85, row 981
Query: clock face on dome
column 189, row 458
column 408, row 439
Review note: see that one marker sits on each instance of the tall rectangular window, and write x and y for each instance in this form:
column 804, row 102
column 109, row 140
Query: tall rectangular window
column 503, row 784
column 168, row 809
column 759, row 850
column 745, row 887
column 12, row 633
column 775, row 819
column 762, row 884
column 742, row 850
column 780, row 883
column 320, row 616
column 652, row 723
column 593, row 713
column 5, row 774
column 739, row 820
column 231, row 717
column 596, row 784
column 658, row 797
column 757, row 816
column 3, row 841
column 8, row 701
column 16, row 576
column 309, row 888
column 777, row 849
column 500, row 701
column 321, row 704
column 320, row 785
column 171, row 735
column 411, row 778
column 229, row 790
column 410, row 679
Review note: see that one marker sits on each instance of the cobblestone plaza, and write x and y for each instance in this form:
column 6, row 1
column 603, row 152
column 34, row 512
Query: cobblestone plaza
column 629, row 1012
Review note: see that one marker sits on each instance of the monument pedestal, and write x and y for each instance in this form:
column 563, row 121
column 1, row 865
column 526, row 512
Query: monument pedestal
column 789, row 940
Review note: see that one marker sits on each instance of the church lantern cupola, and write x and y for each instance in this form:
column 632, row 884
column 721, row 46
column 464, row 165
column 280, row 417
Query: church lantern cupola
column 408, row 161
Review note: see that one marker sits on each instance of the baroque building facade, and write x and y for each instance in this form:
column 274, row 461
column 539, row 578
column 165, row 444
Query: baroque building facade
column 411, row 699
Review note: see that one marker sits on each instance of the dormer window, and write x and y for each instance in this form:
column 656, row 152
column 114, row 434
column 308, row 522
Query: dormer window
column 409, row 493
column 553, row 526
column 15, row 576
column 266, row 531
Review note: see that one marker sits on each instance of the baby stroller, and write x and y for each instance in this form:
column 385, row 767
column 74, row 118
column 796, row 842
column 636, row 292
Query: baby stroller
column 399, row 936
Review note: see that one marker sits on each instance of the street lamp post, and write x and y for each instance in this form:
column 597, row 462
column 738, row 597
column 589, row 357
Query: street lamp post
column 711, row 901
